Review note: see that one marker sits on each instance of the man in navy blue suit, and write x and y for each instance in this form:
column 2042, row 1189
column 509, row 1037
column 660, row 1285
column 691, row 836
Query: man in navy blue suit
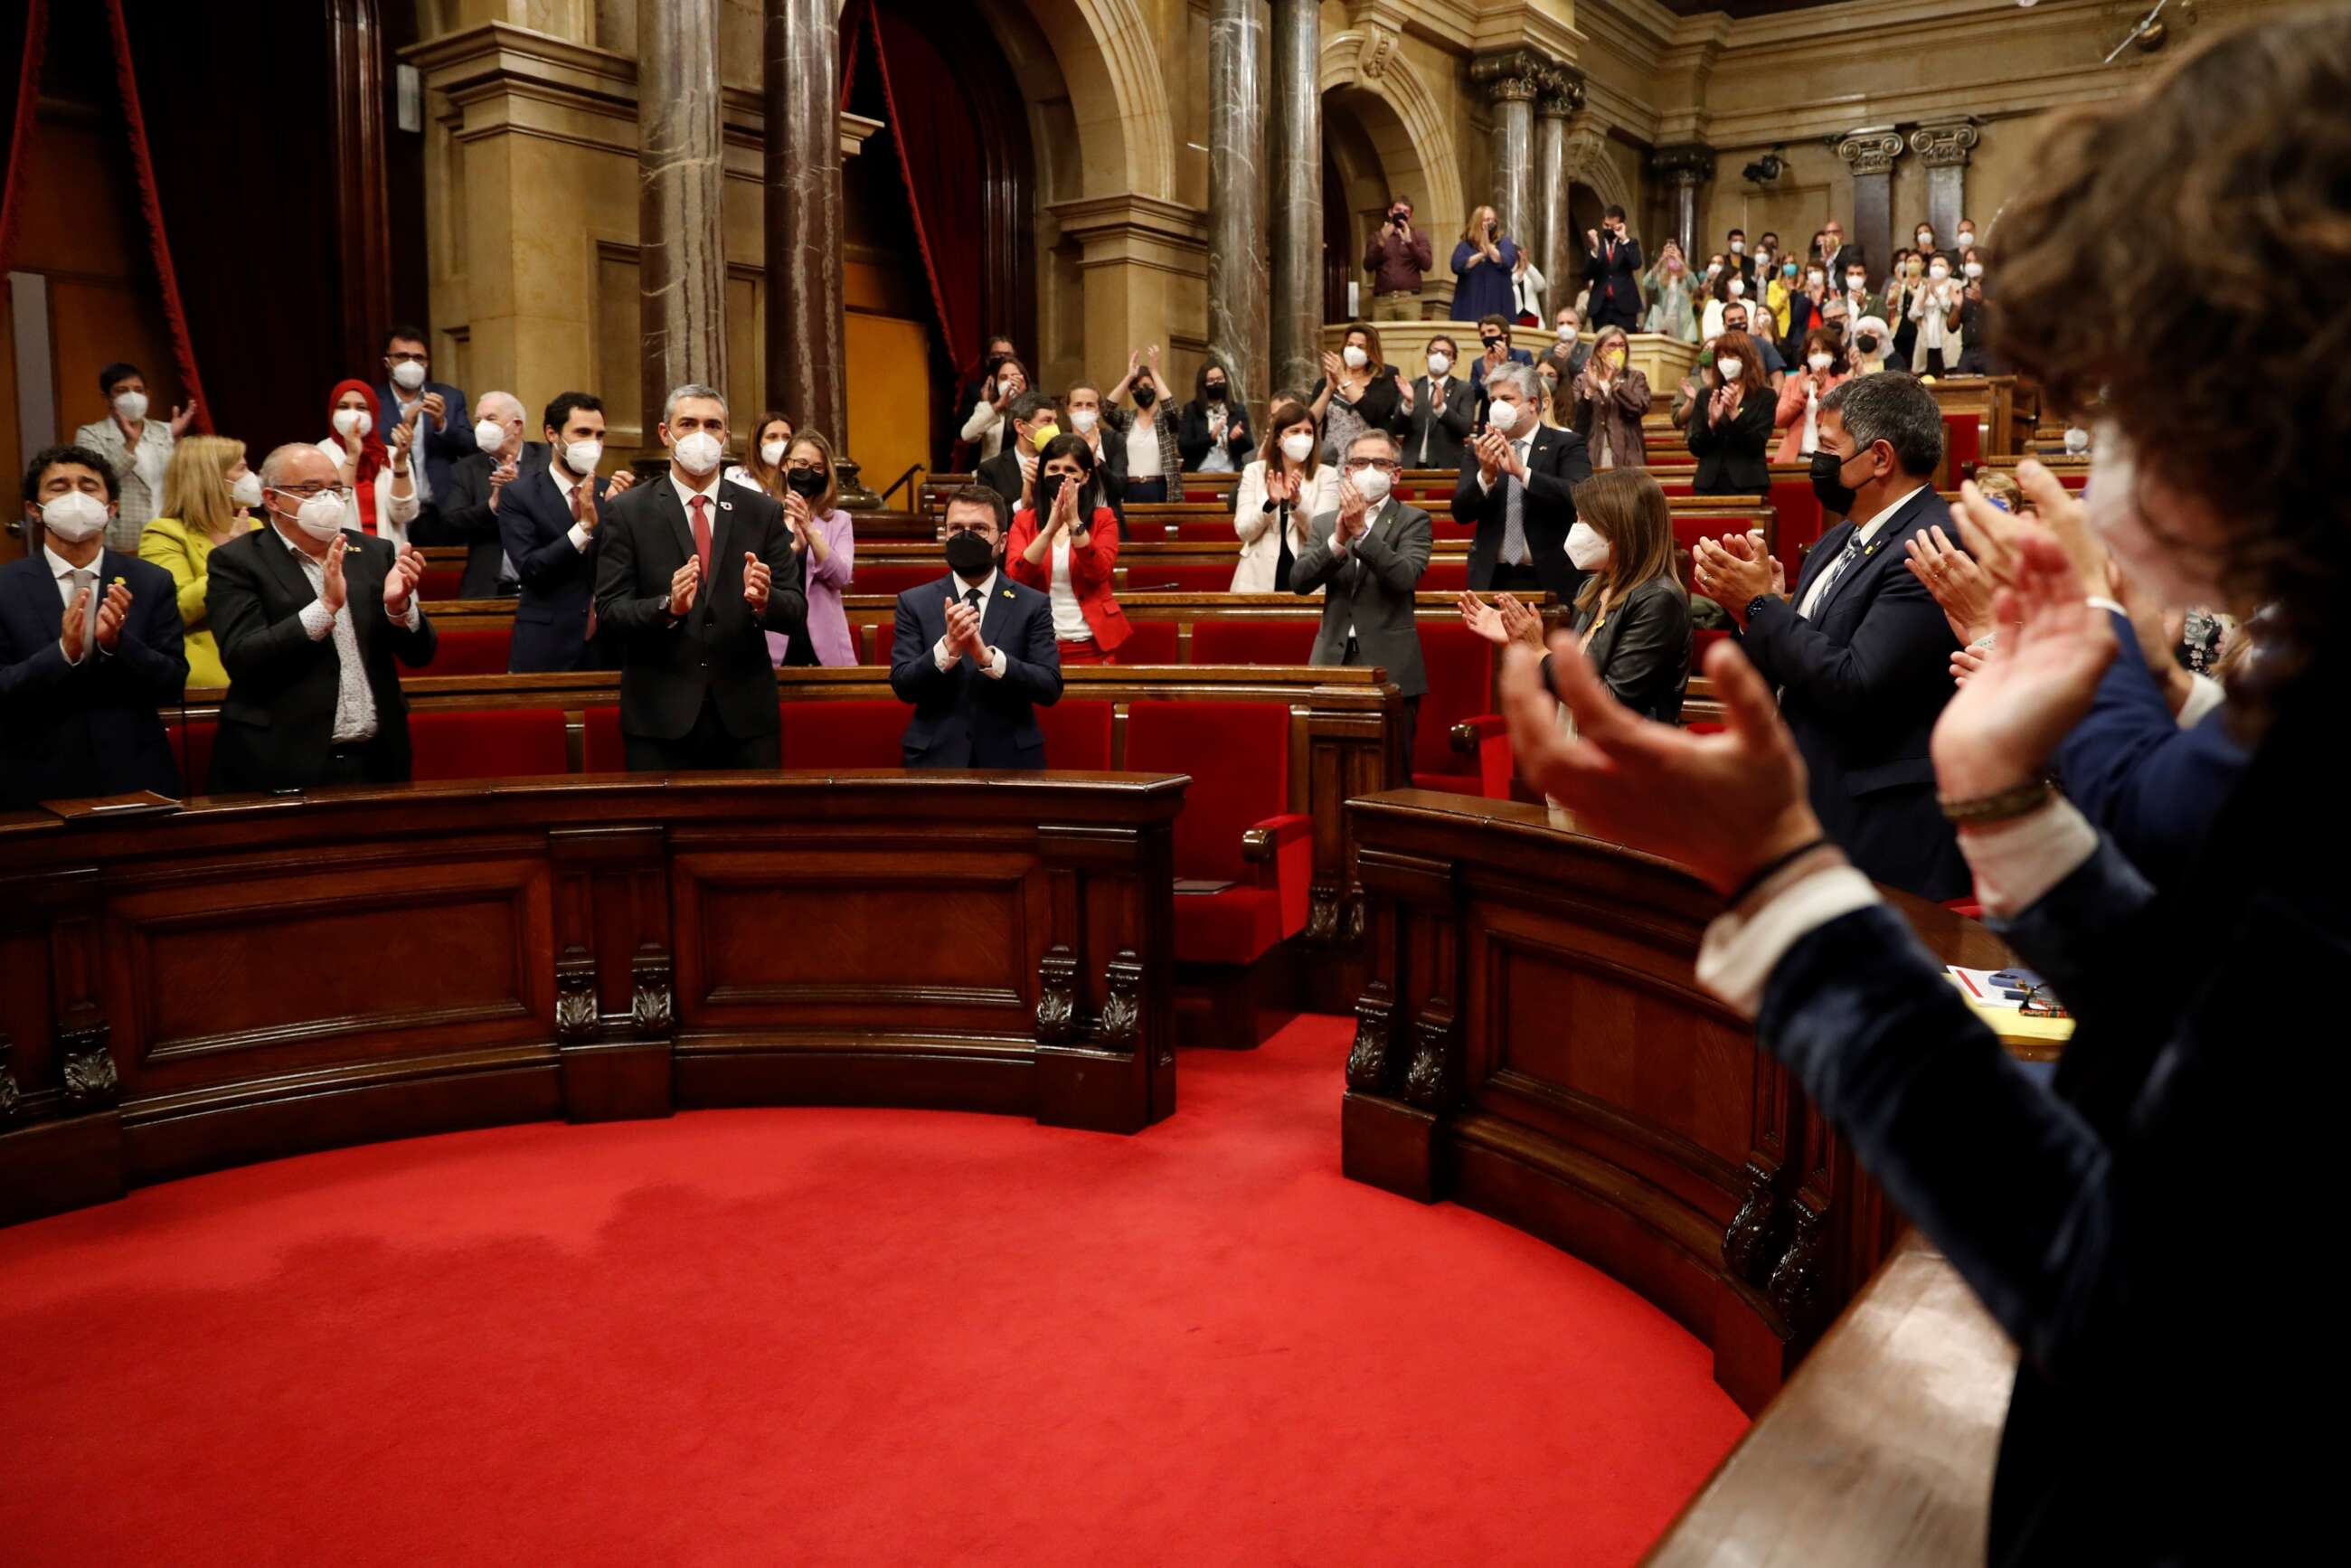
column 444, row 434
column 1861, row 654
column 89, row 647
column 547, row 522
column 974, row 651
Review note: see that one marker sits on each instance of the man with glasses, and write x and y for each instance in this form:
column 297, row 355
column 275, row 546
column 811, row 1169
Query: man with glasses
column 443, row 433
column 1370, row 554
column 309, row 617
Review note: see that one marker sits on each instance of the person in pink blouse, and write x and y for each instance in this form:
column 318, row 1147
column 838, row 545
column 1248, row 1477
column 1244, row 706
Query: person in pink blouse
column 826, row 547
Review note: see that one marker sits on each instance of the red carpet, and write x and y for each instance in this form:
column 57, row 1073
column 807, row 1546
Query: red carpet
column 838, row 1336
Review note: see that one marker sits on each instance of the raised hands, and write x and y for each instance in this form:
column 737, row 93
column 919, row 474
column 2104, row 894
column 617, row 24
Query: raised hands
column 181, row 417
column 1734, row 571
column 757, row 581
column 1504, row 622
column 963, row 631
column 500, row 477
column 332, row 592
column 1962, row 587
column 797, row 518
column 1334, row 369
column 683, row 584
column 112, row 611
column 400, row 582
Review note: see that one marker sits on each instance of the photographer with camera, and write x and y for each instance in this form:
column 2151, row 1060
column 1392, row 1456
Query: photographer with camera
column 1397, row 257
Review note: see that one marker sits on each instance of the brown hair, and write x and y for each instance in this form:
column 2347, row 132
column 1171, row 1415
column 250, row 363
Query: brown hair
column 1833, row 343
column 831, row 496
column 1741, row 347
column 1627, row 507
column 1372, row 336
column 2243, row 136
column 772, row 480
column 1286, row 414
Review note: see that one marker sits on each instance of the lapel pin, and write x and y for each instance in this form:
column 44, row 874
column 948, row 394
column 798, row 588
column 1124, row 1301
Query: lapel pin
column 725, row 505
column 1008, row 592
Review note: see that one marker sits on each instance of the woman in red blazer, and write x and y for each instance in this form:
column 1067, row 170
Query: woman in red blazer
column 1072, row 554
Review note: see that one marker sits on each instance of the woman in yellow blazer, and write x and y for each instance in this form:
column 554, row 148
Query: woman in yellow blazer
column 208, row 494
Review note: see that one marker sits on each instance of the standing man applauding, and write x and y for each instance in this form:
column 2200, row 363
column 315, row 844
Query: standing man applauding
column 1519, row 493
column 1612, row 266
column 547, row 518
column 689, row 575
column 1370, row 554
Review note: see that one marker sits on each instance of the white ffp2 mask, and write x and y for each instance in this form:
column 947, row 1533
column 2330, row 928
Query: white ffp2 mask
column 1587, row 549
column 697, row 452
column 73, row 517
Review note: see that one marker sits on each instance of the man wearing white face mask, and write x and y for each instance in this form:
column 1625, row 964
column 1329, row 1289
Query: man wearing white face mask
column 441, row 440
column 90, row 646
column 690, row 575
column 477, row 485
column 1518, row 492
column 1368, row 557
column 137, row 450
column 309, row 617
column 1437, row 410
column 547, row 523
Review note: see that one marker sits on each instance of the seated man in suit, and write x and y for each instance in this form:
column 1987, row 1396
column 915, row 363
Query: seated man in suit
column 309, row 617
column 1370, row 554
column 974, row 651
column 90, row 646
column 547, row 518
column 1434, row 420
column 690, row 575
column 478, row 483
column 1520, row 492
column 1861, row 654
column 1011, row 471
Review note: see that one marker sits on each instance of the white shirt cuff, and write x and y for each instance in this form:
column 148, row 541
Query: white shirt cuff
column 579, row 539
column 1740, row 951
column 2017, row 862
column 997, row 664
column 317, row 618
column 2204, row 694
column 1484, row 484
column 1338, row 545
column 415, row 616
column 69, row 657
column 940, row 656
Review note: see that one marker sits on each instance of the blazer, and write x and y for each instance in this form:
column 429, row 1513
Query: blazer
column 1847, row 255
column 1556, row 463
column 963, row 718
column 1616, row 417
column 185, row 553
column 1478, row 373
column 1789, row 415
column 439, row 445
column 1091, row 571
column 1002, row 475
column 1434, row 429
column 69, row 731
column 279, row 718
column 1861, row 684
column 716, row 652
column 1730, row 456
column 139, row 470
column 1119, row 421
column 559, row 580
column 1643, row 650
column 1259, row 530
column 1614, row 272
column 467, row 518
column 1193, row 439
column 1379, row 404
column 1371, row 588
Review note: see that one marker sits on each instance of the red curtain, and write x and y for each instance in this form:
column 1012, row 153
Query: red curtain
column 150, row 207
column 22, row 49
column 930, row 127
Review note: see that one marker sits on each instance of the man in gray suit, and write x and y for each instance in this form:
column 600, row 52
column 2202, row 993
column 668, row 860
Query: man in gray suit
column 1370, row 553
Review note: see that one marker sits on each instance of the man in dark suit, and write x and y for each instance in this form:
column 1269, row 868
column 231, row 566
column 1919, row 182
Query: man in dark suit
column 1735, row 259
column 1836, row 256
column 974, row 651
column 547, row 521
column 1495, row 352
column 1435, row 419
column 1519, row 493
column 690, row 573
column 1368, row 556
column 90, row 646
column 309, row 618
column 469, row 512
column 1860, row 653
column 1612, row 267
column 443, row 433
column 1011, row 471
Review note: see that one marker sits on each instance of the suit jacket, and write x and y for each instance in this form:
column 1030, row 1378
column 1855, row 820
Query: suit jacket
column 1613, row 271
column 963, row 718
column 278, row 719
column 466, row 518
column 74, row 730
column 1444, row 424
column 1370, row 588
column 1643, row 650
column 1861, row 684
column 1556, row 464
column 559, row 580
column 1001, row 474
column 1847, row 255
column 1091, row 571
column 441, row 443
column 717, row 650
column 1193, row 439
column 1478, row 373
column 1730, row 456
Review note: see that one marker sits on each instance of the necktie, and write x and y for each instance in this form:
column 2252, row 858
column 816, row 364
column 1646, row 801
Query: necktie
column 1819, row 595
column 971, row 597
column 84, row 578
column 1435, row 394
column 702, row 537
column 1514, row 521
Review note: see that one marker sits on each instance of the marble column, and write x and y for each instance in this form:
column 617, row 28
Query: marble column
column 1294, row 145
column 1237, row 192
column 1512, row 79
column 802, row 65
column 1684, row 169
column 1558, row 254
column 1946, row 147
column 1870, row 154
column 681, row 241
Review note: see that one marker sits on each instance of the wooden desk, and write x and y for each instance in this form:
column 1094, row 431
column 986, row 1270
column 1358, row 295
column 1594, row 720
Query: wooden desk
column 257, row 976
column 1533, row 1042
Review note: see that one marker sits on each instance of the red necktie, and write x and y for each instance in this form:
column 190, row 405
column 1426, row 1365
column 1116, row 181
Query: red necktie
column 702, row 535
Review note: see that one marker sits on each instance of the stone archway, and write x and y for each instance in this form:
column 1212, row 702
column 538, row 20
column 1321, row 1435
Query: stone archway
column 1418, row 157
column 1585, row 160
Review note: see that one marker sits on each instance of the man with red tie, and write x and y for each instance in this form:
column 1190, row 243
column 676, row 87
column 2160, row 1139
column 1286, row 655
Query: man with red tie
column 689, row 575
column 1611, row 265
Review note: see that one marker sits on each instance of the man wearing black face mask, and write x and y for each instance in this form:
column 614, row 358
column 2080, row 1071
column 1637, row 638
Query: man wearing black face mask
column 973, row 652
column 1860, row 653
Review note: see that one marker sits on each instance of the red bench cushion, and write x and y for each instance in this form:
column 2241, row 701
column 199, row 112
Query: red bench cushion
column 487, row 743
column 1229, row 927
column 605, row 752
column 1237, row 640
column 1077, row 735
column 867, row 733
column 1171, row 577
column 440, row 583
column 477, row 651
column 1460, row 665
column 1151, row 642
column 892, row 578
column 1238, row 757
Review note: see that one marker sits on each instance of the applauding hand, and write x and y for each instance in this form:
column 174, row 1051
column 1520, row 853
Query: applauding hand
column 400, row 582
column 756, row 580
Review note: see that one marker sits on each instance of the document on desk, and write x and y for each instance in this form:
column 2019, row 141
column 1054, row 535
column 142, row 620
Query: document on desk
column 1998, row 998
column 1992, row 987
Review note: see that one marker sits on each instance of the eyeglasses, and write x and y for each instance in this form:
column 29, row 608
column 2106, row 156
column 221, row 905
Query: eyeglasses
column 406, row 357
column 308, row 489
column 1358, row 465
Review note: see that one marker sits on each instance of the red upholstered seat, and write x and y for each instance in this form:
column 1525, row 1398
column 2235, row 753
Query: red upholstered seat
column 604, row 752
column 1800, row 521
column 1238, row 755
column 1153, row 643
column 862, row 734
column 1077, row 735
column 1173, row 577
column 1702, row 639
column 893, row 578
column 197, row 754
column 1446, row 575
column 1207, row 530
column 487, row 743
column 1460, row 665
column 1449, row 527
column 1962, row 447
column 444, row 582
column 477, row 651
column 1234, row 926
column 884, row 633
column 1237, row 640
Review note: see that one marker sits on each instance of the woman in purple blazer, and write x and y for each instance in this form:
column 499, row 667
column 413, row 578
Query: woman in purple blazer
column 827, row 546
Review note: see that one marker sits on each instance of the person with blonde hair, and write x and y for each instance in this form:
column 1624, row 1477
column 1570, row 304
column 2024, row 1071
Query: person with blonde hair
column 209, row 490
column 1483, row 261
column 1610, row 399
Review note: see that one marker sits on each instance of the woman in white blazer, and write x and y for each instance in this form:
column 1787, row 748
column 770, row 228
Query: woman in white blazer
column 378, row 492
column 1274, row 517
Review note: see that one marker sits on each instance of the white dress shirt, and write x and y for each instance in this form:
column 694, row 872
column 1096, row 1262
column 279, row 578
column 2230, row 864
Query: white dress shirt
column 564, row 485
column 997, row 662
column 1863, row 537
column 355, row 716
column 1068, row 620
column 70, row 581
column 1143, row 446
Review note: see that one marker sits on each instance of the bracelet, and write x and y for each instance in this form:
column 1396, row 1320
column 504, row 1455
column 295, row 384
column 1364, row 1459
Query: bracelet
column 1772, row 868
column 2023, row 800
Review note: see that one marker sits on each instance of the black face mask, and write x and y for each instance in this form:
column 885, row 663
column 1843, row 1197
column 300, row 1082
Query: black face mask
column 808, row 483
column 1828, row 481
column 1215, row 391
column 1048, row 490
column 1868, row 342
column 1492, row 342
column 1145, row 395
column 969, row 556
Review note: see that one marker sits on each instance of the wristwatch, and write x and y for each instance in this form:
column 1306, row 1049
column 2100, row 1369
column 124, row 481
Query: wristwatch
column 1756, row 603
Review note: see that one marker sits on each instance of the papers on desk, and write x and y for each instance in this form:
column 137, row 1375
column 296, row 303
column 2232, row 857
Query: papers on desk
column 1992, row 987
column 1999, row 1000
